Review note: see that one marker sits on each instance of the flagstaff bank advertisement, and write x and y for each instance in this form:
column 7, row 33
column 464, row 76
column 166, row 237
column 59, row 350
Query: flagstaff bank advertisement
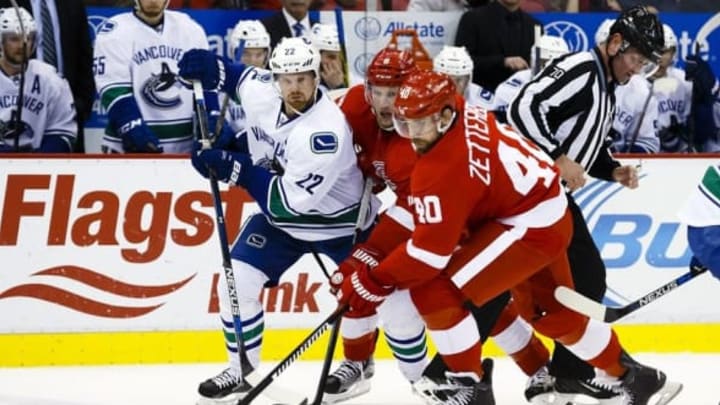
column 85, row 248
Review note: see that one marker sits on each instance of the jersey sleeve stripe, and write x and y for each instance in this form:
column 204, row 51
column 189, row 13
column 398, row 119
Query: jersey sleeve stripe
column 487, row 256
column 431, row 259
column 401, row 216
column 111, row 96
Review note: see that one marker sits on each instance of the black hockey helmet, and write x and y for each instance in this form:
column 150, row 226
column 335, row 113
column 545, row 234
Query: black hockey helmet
column 642, row 30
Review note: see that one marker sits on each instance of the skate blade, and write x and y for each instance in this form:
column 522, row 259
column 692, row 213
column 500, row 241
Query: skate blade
column 667, row 393
column 363, row 387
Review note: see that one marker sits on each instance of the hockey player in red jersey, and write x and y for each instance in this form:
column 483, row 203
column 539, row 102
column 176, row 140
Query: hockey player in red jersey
column 388, row 159
column 490, row 215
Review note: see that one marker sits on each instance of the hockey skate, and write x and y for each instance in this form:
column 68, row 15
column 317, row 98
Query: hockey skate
column 433, row 391
column 470, row 390
column 351, row 379
column 641, row 383
column 225, row 388
column 580, row 392
column 539, row 389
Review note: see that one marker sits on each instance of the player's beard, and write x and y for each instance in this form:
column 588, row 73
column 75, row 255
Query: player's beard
column 15, row 58
column 297, row 101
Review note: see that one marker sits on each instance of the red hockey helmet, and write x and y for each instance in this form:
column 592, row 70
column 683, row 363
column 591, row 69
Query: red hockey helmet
column 425, row 93
column 390, row 67
column 420, row 101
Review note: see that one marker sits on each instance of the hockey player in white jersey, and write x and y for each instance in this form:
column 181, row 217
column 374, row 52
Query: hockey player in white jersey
column 701, row 213
column 249, row 45
column 636, row 109
column 674, row 98
column 455, row 62
column 302, row 172
column 135, row 59
column 332, row 64
column 47, row 119
column 547, row 48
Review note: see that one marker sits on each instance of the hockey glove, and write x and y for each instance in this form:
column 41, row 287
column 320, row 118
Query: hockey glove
column 213, row 71
column 362, row 293
column 126, row 120
column 705, row 84
column 138, row 138
column 227, row 166
column 361, row 254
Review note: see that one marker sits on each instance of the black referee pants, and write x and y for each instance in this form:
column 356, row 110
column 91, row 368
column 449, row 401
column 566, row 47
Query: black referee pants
column 588, row 272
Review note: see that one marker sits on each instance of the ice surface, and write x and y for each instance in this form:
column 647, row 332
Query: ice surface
column 176, row 384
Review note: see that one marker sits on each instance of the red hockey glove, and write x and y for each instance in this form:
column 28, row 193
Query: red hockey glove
column 361, row 254
column 361, row 293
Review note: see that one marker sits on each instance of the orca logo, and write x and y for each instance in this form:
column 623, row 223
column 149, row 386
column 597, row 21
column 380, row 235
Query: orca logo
column 158, row 89
column 368, row 28
column 575, row 37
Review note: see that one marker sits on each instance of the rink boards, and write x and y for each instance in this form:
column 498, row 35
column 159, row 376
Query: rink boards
column 115, row 260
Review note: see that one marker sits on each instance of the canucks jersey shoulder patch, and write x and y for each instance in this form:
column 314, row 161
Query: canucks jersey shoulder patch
column 323, row 142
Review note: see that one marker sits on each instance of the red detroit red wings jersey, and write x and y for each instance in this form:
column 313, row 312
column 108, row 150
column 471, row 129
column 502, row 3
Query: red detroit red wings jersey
column 389, row 159
column 479, row 171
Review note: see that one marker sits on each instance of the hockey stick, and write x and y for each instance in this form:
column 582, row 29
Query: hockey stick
column 248, row 371
column 343, row 51
column 226, row 100
column 636, row 130
column 327, row 361
column 23, row 68
column 595, row 310
column 292, row 357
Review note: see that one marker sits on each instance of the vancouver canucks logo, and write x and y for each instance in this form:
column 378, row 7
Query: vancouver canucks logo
column 161, row 90
column 9, row 130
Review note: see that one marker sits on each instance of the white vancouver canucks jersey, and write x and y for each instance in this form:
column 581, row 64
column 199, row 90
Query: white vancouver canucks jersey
column 507, row 90
column 47, row 105
column 133, row 59
column 629, row 103
column 673, row 100
column 318, row 195
column 476, row 95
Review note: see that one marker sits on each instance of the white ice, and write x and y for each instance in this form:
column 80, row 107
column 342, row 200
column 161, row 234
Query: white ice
column 176, row 384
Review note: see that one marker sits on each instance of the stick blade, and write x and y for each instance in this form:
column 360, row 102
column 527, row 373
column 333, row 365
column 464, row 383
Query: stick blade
column 580, row 303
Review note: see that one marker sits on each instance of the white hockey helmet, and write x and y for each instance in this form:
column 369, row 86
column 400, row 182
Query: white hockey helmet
column 453, row 61
column 325, row 37
column 295, row 55
column 254, row 34
column 669, row 37
column 10, row 23
column 546, row 48
column 603, row 31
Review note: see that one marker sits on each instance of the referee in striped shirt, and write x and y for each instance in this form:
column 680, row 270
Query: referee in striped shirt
column 567, row 110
